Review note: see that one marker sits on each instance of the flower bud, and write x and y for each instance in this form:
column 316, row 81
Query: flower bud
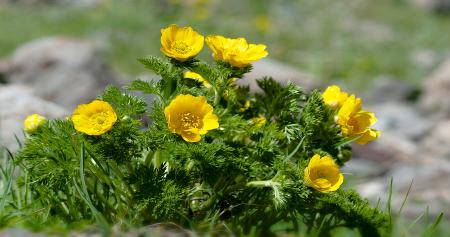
column 32, row 123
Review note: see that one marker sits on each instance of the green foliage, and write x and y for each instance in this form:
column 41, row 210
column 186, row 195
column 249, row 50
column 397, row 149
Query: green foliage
column 124, row 104
column 319, row 132
column 147, row 87
column 281, row 104
column 245, row 176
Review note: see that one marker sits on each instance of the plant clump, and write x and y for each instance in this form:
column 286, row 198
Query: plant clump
column 216, row 158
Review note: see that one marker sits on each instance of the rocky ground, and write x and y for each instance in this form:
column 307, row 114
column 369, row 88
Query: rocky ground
column 51, row 76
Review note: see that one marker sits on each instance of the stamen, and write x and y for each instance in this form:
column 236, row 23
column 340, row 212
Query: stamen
column 189, row 120
column 180, row 47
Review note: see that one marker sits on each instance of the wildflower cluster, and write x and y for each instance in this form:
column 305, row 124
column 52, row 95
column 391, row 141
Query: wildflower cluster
column 207, row 154
column 184, row 43
column 353, row 120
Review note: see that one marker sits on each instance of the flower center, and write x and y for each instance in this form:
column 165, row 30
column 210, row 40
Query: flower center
column 321, row 174
column 189, row 120
column 99, row 119
column 234, row 52
column 355, row 126
column 180, row 47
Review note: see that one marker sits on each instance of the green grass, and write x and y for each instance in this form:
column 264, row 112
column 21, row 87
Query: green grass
column 348, row 40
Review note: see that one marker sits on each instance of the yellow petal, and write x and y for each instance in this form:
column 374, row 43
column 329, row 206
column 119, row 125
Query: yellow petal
column 210, row 122
column 333, row 97
column 368, row 136
column 198, row 77
column 350, row 107
column 191, row 137
column 338, row 184
column 322, row 184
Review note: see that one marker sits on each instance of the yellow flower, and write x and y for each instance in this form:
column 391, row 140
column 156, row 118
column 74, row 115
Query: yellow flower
column 32, row 123
column 355, row 122
column 94, row 118
column 190, row 117
column 198, row 77
column 237, row 52
column 323, row 174
column 333, row 97
column 181, row 43
column 246, row 106
column 259, row 121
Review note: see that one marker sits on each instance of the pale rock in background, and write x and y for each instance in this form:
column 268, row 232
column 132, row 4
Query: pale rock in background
column 440, row 6
column 385, row 89
column 279, row 71
column 437, row 142
column 65, row 71
column 436, row 91
column 16, row 103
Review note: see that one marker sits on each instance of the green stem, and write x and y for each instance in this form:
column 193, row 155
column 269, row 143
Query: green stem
column 84, row 192
column 263, row 183
column 296, row 149
column 216, row 97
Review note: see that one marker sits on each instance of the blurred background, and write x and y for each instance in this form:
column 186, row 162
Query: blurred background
column 395, row 54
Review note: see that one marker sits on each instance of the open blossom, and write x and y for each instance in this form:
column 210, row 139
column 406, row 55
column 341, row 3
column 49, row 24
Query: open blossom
column 198, row 77
column 181, row 43
column 190, row 116
column 323, row 174
column 237, row 52
column 334, row 97
column 94, row 118
column 32, row 123
column 355, row 122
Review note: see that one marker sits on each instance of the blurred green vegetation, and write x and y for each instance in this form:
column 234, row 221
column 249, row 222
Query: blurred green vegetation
column 353, row 41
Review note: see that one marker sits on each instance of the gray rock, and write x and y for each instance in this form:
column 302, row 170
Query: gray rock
column 366, row 30
column 279, row 71
column 65, row 71
column 436, row 91
column 13, row 232
column 4, row 66
column 429, row 177
column 362, row 168
column 439, row 6
column 386, row 89
column 389, row 148
column 424, row 58
column 16, row 103
column 437, row 142
column 401, row 119
column 430, row 183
